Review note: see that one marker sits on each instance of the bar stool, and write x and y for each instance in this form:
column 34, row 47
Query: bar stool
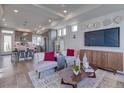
column 21, row 55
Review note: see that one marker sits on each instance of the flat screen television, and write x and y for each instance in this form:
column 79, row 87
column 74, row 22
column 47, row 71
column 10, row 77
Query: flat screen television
column 104, row 37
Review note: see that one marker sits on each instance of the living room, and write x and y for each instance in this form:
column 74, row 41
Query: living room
column 61, row 51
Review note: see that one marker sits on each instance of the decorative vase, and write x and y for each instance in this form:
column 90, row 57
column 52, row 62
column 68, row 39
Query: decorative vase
column 85, row 61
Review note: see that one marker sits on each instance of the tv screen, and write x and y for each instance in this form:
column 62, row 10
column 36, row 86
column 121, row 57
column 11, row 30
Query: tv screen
column 105, row 37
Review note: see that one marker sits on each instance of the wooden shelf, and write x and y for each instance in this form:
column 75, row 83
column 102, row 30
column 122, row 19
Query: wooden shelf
column 104, row 59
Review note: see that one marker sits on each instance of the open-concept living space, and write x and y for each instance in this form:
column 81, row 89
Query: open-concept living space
column 61, row 46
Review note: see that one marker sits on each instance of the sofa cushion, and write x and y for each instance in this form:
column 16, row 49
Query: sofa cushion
column 49, row 56
column 46, row 65
column 70, row 52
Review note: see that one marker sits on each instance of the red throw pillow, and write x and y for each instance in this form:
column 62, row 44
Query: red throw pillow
column 70, row 52
column 49, row 56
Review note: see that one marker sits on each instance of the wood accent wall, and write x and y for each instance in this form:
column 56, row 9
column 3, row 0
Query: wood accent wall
column 104, row 59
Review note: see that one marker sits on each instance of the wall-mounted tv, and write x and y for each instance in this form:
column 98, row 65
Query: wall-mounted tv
column 104, row 37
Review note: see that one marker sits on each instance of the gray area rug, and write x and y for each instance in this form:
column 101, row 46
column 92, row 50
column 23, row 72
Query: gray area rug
column 104, row 79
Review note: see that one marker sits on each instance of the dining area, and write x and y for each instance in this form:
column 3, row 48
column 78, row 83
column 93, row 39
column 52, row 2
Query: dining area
column 23, row 51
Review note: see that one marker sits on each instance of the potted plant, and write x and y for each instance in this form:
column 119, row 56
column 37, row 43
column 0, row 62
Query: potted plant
column 76, row 69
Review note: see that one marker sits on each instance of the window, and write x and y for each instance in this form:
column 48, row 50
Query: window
column 37, row 40
column 63, row 31
column 74, row 28
column 34, row 40
column 60, row 32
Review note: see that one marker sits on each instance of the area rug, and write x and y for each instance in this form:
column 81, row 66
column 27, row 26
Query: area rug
column 103, row 79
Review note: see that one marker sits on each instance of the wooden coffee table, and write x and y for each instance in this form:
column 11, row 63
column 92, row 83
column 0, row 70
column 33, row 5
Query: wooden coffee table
column 68, row 78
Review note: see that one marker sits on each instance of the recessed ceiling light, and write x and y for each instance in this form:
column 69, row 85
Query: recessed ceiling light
column 16, row 11
column 43, row 28
column 5, row 24
column 50, row 20
column 3, row 19
column 65, row 11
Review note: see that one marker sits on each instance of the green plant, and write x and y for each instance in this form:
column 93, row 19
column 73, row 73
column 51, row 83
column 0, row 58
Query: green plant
column 76, row 68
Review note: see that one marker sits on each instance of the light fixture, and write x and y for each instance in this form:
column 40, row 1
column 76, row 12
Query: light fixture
column 65, row 11
column 43, row 28
column 5, row 24
column 3, row 19
column 16, row 11
column 50, row 20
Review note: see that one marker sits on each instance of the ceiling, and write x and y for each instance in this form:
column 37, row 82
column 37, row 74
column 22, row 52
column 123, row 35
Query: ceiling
column 33, row 16
column 59, row 8
column 38, row 18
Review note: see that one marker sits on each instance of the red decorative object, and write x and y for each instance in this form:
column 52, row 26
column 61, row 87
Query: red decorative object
column 70, row 52
column 49, row 56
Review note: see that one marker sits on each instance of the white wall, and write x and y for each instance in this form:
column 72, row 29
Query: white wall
column 78, row 43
